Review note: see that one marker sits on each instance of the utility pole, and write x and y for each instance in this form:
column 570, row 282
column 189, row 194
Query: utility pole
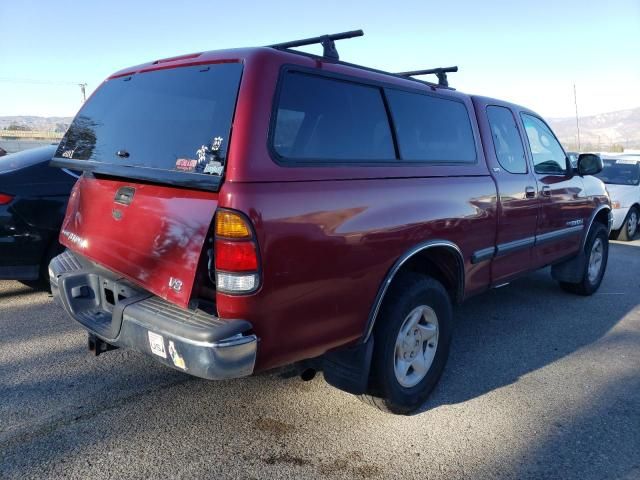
column 575, row 100
column 83, row 87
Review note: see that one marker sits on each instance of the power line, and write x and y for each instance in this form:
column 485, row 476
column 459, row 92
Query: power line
column 39, row 82
column 82, row 85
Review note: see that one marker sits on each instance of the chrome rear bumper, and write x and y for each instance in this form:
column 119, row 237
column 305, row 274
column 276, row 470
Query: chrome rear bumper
column 123, row 315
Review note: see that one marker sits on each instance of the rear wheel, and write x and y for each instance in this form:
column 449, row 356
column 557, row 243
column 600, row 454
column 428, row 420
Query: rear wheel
column 411, row 347
column 630, row 225
column 597, row 254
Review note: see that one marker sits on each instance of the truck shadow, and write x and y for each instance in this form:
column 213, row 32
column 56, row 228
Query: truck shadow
column 514, row 330
column 517, row 329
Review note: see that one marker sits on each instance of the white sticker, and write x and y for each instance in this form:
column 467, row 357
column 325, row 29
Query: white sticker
column 216, row 144
column 177, row 359
column 627, row 161
column 213, row 168
column 156, row 342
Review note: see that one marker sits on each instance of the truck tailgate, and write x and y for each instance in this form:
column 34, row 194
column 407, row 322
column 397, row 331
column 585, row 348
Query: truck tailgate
column 154, row 241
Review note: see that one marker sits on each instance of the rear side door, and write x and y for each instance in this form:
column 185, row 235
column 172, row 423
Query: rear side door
column 564, row 208
column 517, row 192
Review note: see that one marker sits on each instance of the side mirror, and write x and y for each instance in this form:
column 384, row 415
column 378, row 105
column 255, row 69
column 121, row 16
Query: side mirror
column 589, row 164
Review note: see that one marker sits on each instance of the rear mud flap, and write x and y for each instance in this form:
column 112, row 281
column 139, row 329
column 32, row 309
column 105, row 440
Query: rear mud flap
column 348, row 369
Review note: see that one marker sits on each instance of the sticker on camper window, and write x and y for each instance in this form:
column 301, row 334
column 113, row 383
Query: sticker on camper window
column 202, row 154
column 213, row 168
column 186, row 164
column 156, row 343
column 216, row 144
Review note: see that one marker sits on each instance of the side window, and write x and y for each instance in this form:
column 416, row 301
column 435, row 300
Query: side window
column 506, row 139
column 321, row 119
column 431, row 129
column 548, row 155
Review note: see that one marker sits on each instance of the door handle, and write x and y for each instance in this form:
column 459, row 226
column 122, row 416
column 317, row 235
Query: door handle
column 530, row 192
column 546, row 191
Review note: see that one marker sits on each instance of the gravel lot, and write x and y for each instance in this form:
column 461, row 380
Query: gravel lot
column 540, row 384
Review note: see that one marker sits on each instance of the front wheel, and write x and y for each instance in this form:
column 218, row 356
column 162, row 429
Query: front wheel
column 411, row 344
column 596, row 251
column 630, row 225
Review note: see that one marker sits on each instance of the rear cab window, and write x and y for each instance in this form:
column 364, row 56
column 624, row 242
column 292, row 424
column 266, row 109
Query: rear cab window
column 507, row 142
column 168, row 121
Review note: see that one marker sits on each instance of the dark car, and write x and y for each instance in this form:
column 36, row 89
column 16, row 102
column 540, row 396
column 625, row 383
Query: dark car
column 33, row 199
column 242, row 210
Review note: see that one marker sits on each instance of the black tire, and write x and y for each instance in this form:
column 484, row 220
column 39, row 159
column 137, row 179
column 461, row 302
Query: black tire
column 408, row 292
column 629, row 231
column 42, row 283
column 587, row 285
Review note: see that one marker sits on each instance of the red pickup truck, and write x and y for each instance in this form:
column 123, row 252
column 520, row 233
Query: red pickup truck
column 242, row 210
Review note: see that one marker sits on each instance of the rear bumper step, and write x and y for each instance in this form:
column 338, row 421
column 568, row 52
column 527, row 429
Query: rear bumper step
column 123, row 315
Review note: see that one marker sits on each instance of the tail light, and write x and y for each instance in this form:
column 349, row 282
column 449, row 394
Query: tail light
column 5, row 199
column 237, row 262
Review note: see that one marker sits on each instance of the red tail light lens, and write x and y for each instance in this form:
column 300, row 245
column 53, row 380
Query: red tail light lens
column 5, row 199
column 236, row 254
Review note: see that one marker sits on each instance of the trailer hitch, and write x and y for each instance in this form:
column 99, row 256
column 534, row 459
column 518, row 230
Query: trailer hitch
column 98, row 346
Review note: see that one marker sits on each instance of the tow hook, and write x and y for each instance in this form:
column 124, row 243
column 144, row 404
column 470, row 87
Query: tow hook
column 98, row 346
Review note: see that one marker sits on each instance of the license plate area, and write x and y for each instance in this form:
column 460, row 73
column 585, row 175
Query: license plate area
column 114, row 291
column 92, row 299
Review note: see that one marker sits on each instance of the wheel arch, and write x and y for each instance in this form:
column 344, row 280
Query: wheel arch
column 602, row 214
column 441, row 259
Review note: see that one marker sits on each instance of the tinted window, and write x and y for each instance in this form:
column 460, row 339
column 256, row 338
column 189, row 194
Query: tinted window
column 506, row 140
column 620, row 172
column 331, row 120
column 548, row 155
column 431, row 129
column 174, row 119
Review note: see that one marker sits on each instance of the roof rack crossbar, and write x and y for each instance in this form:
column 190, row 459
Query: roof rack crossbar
column 441, row 73
column 327, row 42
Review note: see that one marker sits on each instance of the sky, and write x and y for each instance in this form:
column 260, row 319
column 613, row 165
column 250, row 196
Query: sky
column 531, row 53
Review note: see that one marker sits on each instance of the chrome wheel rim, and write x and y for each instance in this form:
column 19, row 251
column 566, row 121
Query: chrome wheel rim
column 595, row 260
column 416, row 346
column 632, row 224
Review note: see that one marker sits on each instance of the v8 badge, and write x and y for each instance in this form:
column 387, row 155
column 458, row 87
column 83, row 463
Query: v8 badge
column 175, row 284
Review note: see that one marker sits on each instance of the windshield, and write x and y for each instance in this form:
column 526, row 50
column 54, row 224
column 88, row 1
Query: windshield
column 620, row 172
column 176, row 119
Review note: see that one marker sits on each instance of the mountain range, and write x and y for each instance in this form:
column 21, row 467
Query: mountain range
column 606, row 131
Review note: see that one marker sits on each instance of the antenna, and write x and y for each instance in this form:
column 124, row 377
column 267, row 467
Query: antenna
column 327, row 41
column 575, row 100
column 441, row 73
column 83, row 87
